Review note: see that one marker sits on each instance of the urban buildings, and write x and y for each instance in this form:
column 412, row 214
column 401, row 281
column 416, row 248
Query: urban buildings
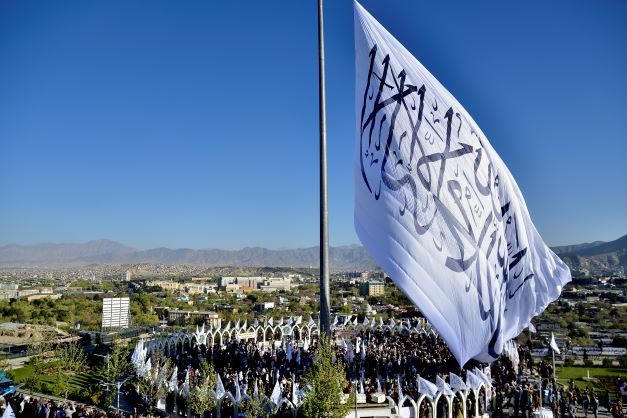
column 246, row 284
column 176, row 315
column 372, row 288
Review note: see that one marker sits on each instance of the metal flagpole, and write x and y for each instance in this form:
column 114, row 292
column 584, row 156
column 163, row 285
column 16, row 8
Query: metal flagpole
column 325, row 325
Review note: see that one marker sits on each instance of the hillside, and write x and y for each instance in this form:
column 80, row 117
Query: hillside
column 595, row 258
column 350, row 257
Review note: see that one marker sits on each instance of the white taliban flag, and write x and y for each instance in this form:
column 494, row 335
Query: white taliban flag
column 438, row 209
column 553, row 344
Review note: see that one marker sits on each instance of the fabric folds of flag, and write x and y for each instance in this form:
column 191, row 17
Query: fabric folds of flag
column 437, row 208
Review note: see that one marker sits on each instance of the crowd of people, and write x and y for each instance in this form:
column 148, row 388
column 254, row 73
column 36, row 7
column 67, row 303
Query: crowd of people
column 390, row 363
column 27, row 406
column 376, row 361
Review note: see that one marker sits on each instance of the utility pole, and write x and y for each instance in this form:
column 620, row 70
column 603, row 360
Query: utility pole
column 325, row 325
column 119, row 384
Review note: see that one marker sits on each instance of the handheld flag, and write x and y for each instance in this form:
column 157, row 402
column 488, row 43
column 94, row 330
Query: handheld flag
column 220, row 391
column 443, row 387
column 276, row 394
column 173, row 383
column 295, row 399
column 8, row 413
column 238, row 392
column 437, row 208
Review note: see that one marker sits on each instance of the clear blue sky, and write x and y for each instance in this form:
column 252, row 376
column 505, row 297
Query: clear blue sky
column 194, row 124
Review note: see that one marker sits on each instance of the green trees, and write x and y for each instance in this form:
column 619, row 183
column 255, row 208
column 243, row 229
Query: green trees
column 327, row 381
column 115, row 367
column 71, row 357
column 68, row 309
column 57, row 363
column 255, row 408
column 68, row 359
column 202, row 399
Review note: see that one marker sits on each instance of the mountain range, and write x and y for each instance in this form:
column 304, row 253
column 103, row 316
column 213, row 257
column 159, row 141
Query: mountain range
column 594, row 257
column 348, row 257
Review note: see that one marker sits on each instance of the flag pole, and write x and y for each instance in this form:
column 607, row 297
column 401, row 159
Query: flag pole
column 325, row 325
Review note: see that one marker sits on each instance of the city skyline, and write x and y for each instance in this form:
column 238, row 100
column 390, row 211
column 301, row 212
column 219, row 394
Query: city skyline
column 154, row 124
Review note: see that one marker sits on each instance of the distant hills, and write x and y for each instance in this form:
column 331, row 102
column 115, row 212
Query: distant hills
column 349, row 257
column 598, row 257
column 595, row 257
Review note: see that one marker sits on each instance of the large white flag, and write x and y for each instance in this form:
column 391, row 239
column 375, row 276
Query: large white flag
column 438, row 209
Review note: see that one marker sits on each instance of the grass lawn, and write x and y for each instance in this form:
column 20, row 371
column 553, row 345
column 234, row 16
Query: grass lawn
column 605, row 377
column 77, row 382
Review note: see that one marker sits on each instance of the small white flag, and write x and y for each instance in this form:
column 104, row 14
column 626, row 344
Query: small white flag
column 238, row 392
column 8, row 413
column 443, row 387
column 220, row 391
column 295, row 400
column 553, row 344
column 173, row 384
column 276, row 394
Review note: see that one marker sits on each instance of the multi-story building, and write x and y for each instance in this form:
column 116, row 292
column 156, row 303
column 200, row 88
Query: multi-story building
column 265, row 284
column 273, row 284
column 372, row 288
column 164, row 285
column 199, row 288
column 176, row 315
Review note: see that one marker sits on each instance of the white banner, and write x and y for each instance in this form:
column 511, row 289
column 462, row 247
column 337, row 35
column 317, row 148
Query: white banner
column 438, row 209
column 595, row 351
